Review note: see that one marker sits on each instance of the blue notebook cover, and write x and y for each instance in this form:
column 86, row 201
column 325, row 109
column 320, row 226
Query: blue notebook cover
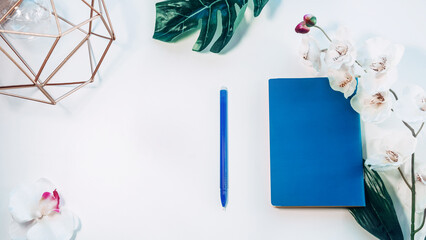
column 316, row 150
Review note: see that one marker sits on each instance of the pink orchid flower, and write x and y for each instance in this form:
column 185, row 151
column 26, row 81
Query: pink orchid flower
column 38, row 213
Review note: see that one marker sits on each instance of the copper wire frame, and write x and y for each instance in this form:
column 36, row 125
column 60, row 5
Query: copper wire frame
column 10, row 10
column 34, row 76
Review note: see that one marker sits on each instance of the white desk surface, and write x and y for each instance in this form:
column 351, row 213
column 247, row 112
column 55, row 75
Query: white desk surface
column 137, row 154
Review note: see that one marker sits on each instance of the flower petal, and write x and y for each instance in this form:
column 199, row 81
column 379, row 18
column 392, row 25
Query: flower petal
column 373, row 107
column 379, row 50
column 310, row 20
column 24, row 201
column 390, row 151
column 378, row 163
column 421, row 198
column 302, row 28
column 380, row 57
column 341, row 51
column 342, row 80
column 402, row 142
column 310, row 52
column 58, row 226
column 379, row 82
column 18, row 231
column 411, row 106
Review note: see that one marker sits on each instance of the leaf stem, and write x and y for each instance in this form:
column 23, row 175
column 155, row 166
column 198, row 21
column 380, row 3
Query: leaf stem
column 403, row 177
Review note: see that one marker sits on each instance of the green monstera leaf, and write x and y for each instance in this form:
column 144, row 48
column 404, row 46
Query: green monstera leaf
column 378, row 217
column 177, row 17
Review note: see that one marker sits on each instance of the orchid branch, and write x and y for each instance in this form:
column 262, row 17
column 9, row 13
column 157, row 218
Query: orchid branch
column 404, row 178
column 413, row 132
column 304, row 27
column 413, row 198
column 413, row 179
column 410, row 128
column 359, row 64
column 421, row 127
column 394, row 94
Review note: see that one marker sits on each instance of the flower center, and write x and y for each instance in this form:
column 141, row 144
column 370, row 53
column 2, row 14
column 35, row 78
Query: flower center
column 348, row 79
column 49, row 203
column 378, row 99
column 392, row 156
column 380, row 65
column 341, row 50
column 420, row 178
column 305, row 55
column 422, row 103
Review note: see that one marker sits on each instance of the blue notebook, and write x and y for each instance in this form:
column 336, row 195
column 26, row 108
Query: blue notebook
column 316, row 150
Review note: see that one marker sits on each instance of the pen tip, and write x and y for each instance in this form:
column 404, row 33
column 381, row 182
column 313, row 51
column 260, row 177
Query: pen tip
column 223, row 88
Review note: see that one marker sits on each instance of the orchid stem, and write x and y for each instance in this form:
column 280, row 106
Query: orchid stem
column 403, row 177
column 394, row 94
column 359, row 64
column 413, row 199
column 411, row 128
column 413, row 132
column 421, row 127
column 413, row 180
column 322, row 30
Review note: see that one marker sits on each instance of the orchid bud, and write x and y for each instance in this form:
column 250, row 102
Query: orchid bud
column 310, row 20
column 302, row 28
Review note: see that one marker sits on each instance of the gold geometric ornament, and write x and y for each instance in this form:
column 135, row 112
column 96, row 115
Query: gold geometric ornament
column 49, row 49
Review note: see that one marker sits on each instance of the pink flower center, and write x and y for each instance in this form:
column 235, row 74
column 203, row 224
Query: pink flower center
column 422, row 104
column 49, row 203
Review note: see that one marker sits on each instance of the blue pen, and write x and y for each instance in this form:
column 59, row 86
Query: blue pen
column 223, row 146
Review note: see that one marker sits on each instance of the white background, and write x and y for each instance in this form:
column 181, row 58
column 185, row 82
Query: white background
column 137, row 154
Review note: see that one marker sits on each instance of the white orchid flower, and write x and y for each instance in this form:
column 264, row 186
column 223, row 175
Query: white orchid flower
column 411, row 106
column 310, row 52
column 391, row 151
column 373, row 107
column 341, row 51
column 343, row 80
column 38, row 213
column 380, row 57
column 420, row 173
